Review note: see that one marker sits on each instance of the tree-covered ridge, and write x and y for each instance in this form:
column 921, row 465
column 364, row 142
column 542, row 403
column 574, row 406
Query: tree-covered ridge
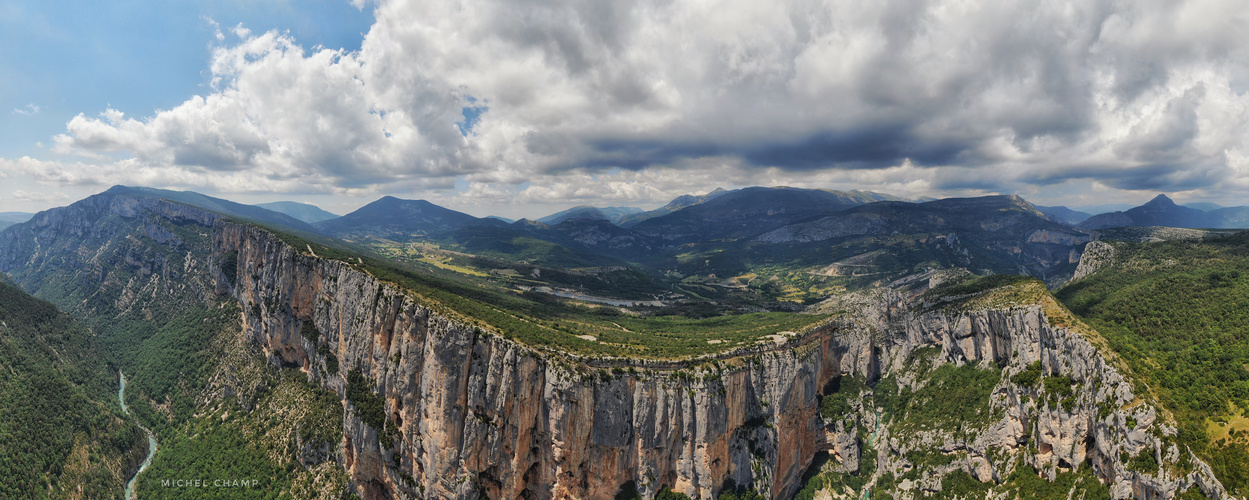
column 1177, row 312
column 61, row 431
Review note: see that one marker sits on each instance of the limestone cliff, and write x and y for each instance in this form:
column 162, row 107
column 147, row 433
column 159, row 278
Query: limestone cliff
column 477, row 414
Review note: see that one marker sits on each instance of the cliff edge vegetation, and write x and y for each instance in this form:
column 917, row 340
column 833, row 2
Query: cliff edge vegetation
column 1176, row 311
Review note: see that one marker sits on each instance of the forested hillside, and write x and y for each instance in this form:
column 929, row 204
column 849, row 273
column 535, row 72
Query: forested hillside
column 62, row 433
column 1178, row 312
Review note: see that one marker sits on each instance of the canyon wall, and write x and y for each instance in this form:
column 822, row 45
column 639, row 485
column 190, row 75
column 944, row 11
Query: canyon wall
column 478, row 414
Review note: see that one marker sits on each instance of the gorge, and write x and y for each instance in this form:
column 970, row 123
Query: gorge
column 437, row 404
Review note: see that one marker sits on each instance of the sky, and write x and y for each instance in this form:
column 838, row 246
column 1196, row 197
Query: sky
column 524, row 108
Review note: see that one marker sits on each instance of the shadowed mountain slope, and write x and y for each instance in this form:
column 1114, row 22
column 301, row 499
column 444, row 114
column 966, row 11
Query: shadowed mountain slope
column 1161, row 211
column 613, row 214
column 748, row 212
column 1064, row 214
column 402, row 220
column 302, row 211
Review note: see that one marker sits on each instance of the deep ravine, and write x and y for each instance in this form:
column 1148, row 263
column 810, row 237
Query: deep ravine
column 151, row 440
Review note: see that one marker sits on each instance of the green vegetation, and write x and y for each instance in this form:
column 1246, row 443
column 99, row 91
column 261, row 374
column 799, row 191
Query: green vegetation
column 369, row 405
column 1059, row 390
column 331, row 361
column 158, row 330
column 1176, row 312
column 551, row 266
column 1024, row 482
column 170, row 367
column 666, row 493
column 61, row 430
column 310, row 332
column 291, row 418
column 953, row 397
column 977, row 285
column 810, row 488
column 745, row 494
column 1145, row 461
column 836, row 404
column 167, row 329
column 546, row 321
column 230, row 267
column 959, row 484
column 1028, row 377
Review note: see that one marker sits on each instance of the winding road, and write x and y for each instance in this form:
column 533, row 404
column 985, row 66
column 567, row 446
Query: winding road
column 151, row 439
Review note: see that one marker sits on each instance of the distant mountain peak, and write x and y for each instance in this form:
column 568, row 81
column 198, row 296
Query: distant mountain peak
column 397, row 218
column 1162, row 211
column 1160, row 201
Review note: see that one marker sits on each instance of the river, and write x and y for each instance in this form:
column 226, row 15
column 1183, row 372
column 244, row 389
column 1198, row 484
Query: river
column 151, row 439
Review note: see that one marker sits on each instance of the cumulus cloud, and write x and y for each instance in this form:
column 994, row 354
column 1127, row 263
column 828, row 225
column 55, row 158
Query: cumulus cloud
column 620, row 101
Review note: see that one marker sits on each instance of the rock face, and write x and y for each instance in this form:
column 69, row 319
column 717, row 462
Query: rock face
column 1102, row 424
column 1097, row 254
column 478, row 414
column 466, row 413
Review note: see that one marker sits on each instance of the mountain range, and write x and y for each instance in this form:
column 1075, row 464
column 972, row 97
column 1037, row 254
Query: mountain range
column 416, row 218
column 1161, row 211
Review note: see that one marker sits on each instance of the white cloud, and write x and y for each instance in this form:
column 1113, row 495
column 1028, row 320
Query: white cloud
column 637, row 101
column 29, row 110
column 41, row 197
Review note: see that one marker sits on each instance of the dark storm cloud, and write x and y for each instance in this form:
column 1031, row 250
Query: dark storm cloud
column 855, row 149
column 974, row 95
column 864, row 148
column 1162, row 177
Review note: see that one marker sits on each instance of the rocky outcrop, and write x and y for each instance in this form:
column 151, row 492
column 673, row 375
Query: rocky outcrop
column 1097, row 254
column 1102, row 424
